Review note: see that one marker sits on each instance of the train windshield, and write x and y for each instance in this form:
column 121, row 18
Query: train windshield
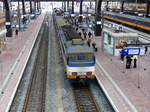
column 81, row 57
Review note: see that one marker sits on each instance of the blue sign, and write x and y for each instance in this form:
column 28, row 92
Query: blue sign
column 131, row 51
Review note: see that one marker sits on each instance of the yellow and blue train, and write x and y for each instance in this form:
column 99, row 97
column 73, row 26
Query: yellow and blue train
column 139, row 23
column 78, row 57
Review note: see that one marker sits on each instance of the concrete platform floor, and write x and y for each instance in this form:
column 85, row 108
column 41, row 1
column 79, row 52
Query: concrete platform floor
column 13, row 61
column 122, row 88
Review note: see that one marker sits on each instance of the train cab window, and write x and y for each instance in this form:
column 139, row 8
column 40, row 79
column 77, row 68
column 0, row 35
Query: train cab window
column 81, row 57
column 72, row 57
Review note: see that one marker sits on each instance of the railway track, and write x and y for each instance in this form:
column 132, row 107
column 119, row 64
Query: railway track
column 84, row 99
column 35, row 98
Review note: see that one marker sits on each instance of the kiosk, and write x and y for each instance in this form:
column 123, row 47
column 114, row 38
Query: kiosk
column 115, row 40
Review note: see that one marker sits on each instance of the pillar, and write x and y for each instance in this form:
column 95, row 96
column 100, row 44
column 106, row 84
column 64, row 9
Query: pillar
column 98, row 19
column 81, row 6
column 72, row 6
column 148, row 9
column 34, row 6
column 8, row 19
column 90, row 4
column 40, row 6
column 23, row 7
column 19, row 16
column 37, row 4
column 107, row 6
column 67, row 5
column 30, row 7
column 122, row 6
column 64, row 6
column 4, row 7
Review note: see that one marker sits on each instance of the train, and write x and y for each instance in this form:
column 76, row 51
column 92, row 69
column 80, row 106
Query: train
column 139, row 23
column 79, row 58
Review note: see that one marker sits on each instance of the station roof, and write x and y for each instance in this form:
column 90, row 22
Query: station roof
column 133, row 1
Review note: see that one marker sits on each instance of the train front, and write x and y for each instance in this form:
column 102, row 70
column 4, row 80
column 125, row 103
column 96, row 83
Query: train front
column 80, row 62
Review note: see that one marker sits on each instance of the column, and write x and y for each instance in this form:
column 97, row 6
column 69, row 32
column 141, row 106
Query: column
column 64, row 6
column 90, row 4
column 8, row 19
column 122, row 6
column 19, row 16
column 81, row 6
column 107, row 6
column 147, row 9
column 72, row 6
column 34, row 6
column 67, row 5
column 30, row 7
column 23, row 7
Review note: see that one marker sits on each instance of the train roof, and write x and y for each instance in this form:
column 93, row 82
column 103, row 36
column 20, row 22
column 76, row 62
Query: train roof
column 61, row 21
column 80, row 49
column 70, row 33
column 128, row 16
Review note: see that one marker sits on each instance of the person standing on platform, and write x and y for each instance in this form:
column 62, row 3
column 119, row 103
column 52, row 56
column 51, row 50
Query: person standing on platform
column 134, row 58
column 128, row 62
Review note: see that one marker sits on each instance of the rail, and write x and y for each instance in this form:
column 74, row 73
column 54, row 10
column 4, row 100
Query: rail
column 35, row 98
column 84, row 98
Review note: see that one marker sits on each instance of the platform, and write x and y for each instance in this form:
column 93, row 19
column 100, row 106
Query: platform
column 13, row 61
column 121, row 84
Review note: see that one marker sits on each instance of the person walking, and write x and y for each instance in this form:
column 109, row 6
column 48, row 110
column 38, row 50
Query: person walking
column 89, row 42
column 84, row 34
column 89, row 34
column 16, row 31
column 146, row 49
column 94, row 46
